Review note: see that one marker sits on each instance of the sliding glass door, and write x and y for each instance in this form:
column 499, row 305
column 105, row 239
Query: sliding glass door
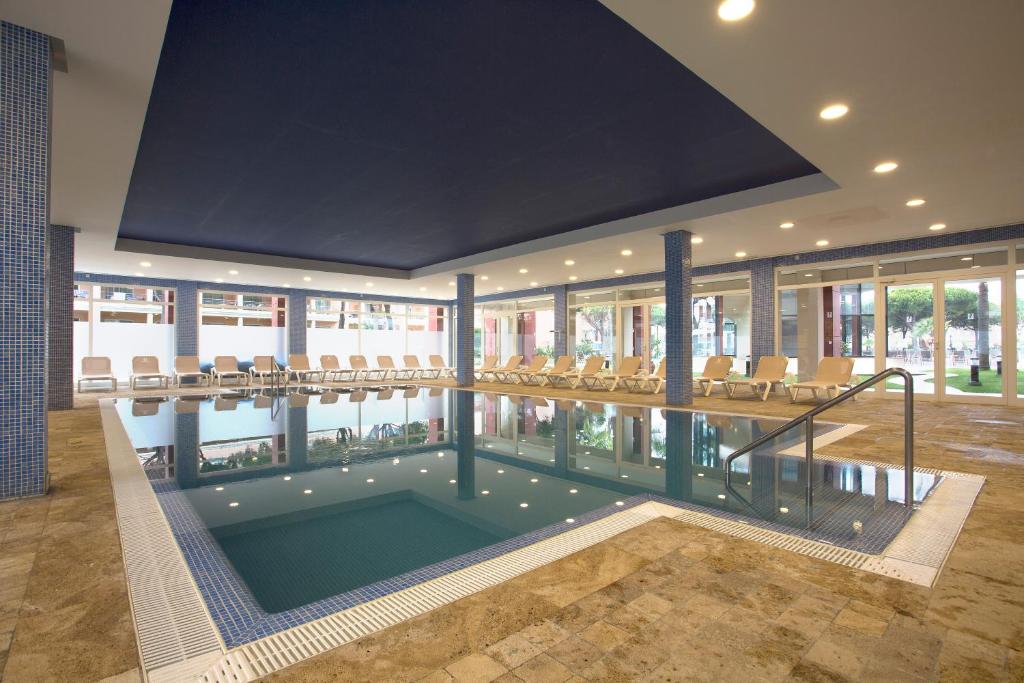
column 910, row 335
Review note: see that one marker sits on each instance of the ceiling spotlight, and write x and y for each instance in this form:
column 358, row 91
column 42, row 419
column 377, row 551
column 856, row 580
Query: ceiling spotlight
column 369, row 284
column 967, row 258
column 141, row 275
column 523, row 271
column 741, row 254
column 570, row 262
column 822, row 243
column 935, row 227
column 232, row 272
column 573, row 278
column 287, row 477
column 233, row 504
column 220, row 279
column 696, row 240
column 533, row 283
column 484, row 277
column 524, row 505
column 307, row 278
column 451, row 283
column 886, row 167
column 915, row 202
column 145, row 264
column 501, row 289
column 286, row 285
column 619, row 271
column 626, row 252
column 734, row 10
column 787, row 225
column 423, row 289
column 834, row 111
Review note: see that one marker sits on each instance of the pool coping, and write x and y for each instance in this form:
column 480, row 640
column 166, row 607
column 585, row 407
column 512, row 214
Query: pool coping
column 179, row 639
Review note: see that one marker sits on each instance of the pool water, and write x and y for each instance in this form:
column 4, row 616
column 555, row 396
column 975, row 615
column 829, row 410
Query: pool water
column 314, row 495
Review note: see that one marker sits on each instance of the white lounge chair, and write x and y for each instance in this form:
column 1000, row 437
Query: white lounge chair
column 653, row 382
column 437, row 363
column 387, row 365
column 572, row 378
column 490, row 362
column 510, row 365
column 716, row 371
column 360, row 369
column 562, row 364
column 227, row 367
column 187, row 367
column 97, row 369
column 833, row 374
column 262, row 368
column 512, row 376
column 331, row 370
column 417, row 371
column 298, row 365
column 770, row 373
column 629, row 366
column 146, row 368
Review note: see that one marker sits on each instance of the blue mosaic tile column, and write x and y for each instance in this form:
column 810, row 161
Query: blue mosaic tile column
column 679, row 454
column 186, row 449
column 24, row 202
column 465, row 444
column 561, row 425
column 297, row 442
column 60, row 319
column 186, row 323
column 297, row 324
column 762, row 311
column 464, row 330
column 561, row 320
column 678, row 318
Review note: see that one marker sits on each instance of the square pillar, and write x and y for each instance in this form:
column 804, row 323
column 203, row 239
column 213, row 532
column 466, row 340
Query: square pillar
column 186, row 323
column 60, row 318
column 561, row 293
column 297, row 325
column 762, row 311
column 464, row 330
column 24, row 220
column 678, row 318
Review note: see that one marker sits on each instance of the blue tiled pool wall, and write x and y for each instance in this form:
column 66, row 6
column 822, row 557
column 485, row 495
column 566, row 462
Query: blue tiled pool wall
column 60, row 389
column 25, row 76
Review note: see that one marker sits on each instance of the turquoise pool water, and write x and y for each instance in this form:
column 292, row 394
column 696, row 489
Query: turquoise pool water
column 315, row 495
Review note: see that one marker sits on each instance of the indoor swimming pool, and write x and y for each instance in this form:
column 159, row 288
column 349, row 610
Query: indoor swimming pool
column 291, row 507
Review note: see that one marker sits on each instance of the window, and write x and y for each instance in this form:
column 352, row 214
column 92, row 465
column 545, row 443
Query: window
column 121, row 322
column 241, row 325
column 343, row 328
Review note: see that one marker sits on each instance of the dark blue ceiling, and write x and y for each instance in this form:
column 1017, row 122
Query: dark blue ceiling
column 402, row 133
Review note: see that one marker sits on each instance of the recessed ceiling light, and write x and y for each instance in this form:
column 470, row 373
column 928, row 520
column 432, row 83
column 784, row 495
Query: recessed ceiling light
column 451, row 481
column 822, row 243
column 619, row 271
column 219, row 488
column 220, row 279
column 834, row 111
column 232, row 272
column 787, row 225
column 533, row 283
column 740, row 254
column 734, row 10
column 570, row 520
column 573, row 278
column 369, row 284
column 808, row 274
column 917, row 201
column 626, row 252
column 573, row 490
column 307, row 278
column 141, row 275
column 423, row 289
column 485, row 492
column 524, row 505
column 286, row 285
column 233, row 504
column 967, row 258
column 523, row 271
column 696, row 240
column 287, row 477
column 451, row 283
column 501, row 289
column 570, row 262
column 886, row 167
column 307, row 491
column 145, row 264
column 937, row 226
column 484, row 277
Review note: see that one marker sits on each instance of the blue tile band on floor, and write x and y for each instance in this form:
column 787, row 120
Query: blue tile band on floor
column 241, row 620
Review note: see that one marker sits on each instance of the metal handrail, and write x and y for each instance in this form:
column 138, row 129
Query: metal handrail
column 808, row 420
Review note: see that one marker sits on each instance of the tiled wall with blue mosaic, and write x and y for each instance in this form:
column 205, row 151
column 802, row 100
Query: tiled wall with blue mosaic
column 60, row 354
column 678, row 318
column 24, row 203
column 762, row 305
column 297, row 323
column 464, row 334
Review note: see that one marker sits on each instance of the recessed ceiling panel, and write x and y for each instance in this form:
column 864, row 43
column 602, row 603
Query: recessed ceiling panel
column 403, row 134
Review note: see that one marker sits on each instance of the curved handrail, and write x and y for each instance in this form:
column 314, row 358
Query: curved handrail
column 808, row 418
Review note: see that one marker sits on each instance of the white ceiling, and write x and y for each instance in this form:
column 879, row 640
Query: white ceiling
column 932, row 85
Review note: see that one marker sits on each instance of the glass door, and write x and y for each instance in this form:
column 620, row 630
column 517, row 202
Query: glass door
column 1017, row 304
column 910, row 335
column 972, row 346
column 643, row 327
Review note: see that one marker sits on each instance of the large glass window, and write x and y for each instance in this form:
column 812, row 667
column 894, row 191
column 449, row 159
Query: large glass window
column 1019, row 332
column 525, row 327
column 121, row 322
column 592, row 326
column 242, row 325
column 343, row 328
column 973, row 344
column 910, row 334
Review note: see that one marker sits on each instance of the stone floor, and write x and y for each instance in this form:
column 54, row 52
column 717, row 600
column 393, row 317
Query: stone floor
column 665, row 601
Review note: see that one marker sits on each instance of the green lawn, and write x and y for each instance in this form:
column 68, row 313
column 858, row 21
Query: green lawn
column 960, row 379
